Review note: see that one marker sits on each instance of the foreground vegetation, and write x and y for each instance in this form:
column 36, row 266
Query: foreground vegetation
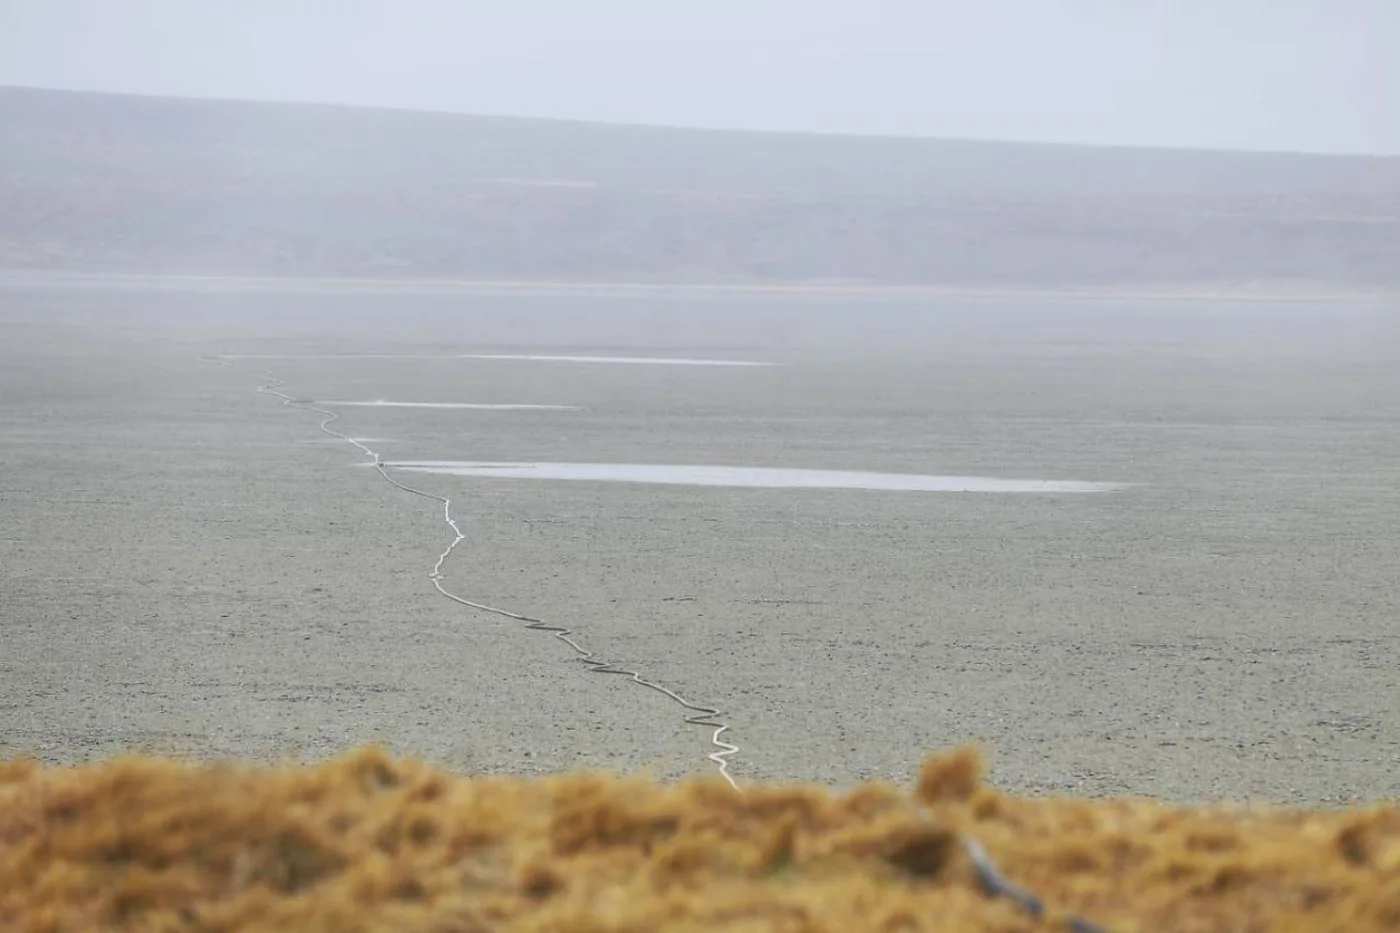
column 368, row 842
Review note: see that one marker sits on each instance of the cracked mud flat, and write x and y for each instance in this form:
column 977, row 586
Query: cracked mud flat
column 189, row 568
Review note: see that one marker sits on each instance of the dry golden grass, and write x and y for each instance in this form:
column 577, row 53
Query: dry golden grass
column 368, row 842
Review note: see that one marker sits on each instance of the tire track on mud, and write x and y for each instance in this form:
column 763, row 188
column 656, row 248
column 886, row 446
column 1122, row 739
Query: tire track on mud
column 709, row 717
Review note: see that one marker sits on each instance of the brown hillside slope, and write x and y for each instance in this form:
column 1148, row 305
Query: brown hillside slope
column 371, row 843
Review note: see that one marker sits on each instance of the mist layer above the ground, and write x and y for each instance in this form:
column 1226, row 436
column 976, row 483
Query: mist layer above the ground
column 158, row 185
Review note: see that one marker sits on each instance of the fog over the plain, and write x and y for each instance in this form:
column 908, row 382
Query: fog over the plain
column 1298, row 75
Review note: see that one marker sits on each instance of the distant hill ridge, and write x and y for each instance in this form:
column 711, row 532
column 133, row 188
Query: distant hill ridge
column 120, row 183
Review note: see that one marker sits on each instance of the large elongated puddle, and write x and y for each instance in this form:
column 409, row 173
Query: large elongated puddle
column 624, row 360
column 750, row 477
column 527, row 357
column 476, row 406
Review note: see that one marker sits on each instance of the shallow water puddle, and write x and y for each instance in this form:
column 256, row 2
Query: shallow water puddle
column 751, row 477
column 529, row 357
column 636, row 360
column 478, row 406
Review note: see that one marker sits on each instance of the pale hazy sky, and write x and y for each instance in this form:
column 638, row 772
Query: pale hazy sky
column 1312, row 75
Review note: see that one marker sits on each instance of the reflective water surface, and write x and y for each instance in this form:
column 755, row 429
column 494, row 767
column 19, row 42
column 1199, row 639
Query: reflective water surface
column 637, row 360
column 381, row 403
column 752, row 477
column 536, row 357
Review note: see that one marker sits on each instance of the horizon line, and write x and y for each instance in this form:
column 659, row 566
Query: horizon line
column 699, row 129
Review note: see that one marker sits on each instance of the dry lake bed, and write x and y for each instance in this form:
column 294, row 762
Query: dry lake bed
column 1130, row 547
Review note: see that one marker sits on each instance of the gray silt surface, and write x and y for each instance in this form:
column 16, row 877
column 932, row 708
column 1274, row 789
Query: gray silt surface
column 190, row 568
